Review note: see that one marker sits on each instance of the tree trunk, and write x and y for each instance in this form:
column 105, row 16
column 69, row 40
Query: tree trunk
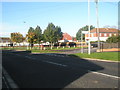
column 39, row 45
column 51, row 45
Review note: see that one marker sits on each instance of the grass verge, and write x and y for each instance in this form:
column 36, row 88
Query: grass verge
column 114, row 56
column 44, row 51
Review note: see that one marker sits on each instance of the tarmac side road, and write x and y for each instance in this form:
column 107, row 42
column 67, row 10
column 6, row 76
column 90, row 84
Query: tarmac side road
column 44, row 71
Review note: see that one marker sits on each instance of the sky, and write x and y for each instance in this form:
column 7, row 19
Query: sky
column 70, row 16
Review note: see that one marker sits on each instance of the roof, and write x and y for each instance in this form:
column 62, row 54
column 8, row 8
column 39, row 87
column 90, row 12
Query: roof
column 5, row 38
column 66, row 36
column 105, row 30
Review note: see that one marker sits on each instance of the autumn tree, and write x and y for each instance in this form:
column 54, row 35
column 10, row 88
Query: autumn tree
column 34, row 35
column 31, row 36
column 17, row 37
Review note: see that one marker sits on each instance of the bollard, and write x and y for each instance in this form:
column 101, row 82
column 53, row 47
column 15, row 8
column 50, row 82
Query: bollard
column 74, row 46
column 44, row 48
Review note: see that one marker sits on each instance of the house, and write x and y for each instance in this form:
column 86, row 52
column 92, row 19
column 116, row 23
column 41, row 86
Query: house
column 66, row 38
column 104, row 33
column 4, row 41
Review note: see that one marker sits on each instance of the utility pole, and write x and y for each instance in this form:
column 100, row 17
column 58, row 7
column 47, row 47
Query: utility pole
column 89, row 26
column 96, row 1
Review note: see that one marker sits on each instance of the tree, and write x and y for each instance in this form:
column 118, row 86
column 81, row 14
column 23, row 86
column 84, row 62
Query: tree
column 85, row 28
column 58, row 33
column 38, row 34
column 31, row 36
column 52, row 34
column 17, row 37
column 113, row 39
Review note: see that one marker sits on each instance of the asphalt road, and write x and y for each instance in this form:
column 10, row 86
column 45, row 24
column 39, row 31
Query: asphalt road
column 45, row 71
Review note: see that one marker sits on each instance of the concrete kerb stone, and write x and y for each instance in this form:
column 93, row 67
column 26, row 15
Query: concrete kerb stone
column 9, row 80
column 100, row 60
column 54, row 54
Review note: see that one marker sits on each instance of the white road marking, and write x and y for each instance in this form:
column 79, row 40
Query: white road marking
column 66, row 66
column 56, row 63
column 29, row 57
column 104, row 74
column 45, row 61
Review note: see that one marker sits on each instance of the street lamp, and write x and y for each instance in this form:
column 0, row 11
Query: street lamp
column 96, row 1
column 26, row 38
column 89, row 26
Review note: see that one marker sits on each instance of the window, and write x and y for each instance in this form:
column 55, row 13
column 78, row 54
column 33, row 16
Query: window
column 100, row 34
column 114, row 34
column 105, row 35
column 110, row 34
column 91, row 34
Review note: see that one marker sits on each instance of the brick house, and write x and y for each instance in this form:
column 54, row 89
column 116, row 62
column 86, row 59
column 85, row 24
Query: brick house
column 66, row 38
column 104, row 33
column 4, row 41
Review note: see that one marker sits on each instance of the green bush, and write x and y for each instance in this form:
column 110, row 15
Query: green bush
column 113, row 39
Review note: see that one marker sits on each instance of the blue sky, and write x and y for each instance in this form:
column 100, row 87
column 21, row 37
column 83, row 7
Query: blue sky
column 70, row 16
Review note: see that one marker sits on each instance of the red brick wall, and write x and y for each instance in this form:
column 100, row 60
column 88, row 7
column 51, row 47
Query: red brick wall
column 102, row 34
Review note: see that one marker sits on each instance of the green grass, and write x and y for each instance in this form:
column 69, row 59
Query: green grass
column 13, row 48
column 114, row 56
column 37, row 48
column 66, row 48
column 44, row 51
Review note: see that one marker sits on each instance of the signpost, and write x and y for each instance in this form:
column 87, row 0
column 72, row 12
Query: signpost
column 83, row 32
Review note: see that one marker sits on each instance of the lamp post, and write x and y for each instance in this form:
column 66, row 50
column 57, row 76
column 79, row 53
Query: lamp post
column 89, row 26
column 26, row 38
column 96, row 1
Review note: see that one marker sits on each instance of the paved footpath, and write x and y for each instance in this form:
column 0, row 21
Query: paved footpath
column 45, row 71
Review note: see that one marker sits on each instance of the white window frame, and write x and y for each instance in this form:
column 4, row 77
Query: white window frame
column 105, row 34
column 110, row 35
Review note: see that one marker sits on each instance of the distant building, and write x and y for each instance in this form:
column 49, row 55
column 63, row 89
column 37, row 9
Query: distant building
column 66, row 38
column 104, row 33
column 4, row 41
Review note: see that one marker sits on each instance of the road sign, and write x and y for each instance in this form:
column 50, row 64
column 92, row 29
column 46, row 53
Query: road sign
column 84, row 32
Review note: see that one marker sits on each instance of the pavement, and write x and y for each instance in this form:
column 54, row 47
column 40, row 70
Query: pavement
column 72, row 51
column 60, row 71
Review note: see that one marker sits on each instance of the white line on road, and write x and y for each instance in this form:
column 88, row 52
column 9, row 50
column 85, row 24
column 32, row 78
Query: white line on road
column 45, row 61
column 48, row 62
column 104, row 74
column 29, row 57
column 66, row 66
column 56, row 63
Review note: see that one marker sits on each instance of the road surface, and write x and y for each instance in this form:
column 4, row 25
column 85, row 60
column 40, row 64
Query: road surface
column 45, row 71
